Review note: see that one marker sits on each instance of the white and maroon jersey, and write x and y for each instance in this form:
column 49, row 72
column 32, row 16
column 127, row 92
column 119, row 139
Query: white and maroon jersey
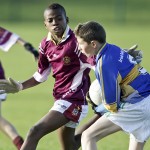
column 2, row 75
column 69, row 67
column 7, row 39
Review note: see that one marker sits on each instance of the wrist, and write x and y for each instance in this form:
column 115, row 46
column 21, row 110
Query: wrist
column 20, row 86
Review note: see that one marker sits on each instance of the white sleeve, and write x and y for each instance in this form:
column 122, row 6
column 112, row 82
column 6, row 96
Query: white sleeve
column 3, row 96
column 42, row 77
column 8, row 42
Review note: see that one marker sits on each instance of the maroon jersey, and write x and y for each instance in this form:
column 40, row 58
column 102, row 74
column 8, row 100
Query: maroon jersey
column 2, row 75
column 69, row 67
column 7, row 39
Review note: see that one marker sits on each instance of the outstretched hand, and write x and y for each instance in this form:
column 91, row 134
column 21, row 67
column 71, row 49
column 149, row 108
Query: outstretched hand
column 10, row 86
column 136, row 54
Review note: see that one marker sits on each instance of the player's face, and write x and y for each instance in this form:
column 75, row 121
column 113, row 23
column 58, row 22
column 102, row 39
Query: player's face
column 86, row 48
column 55, row 22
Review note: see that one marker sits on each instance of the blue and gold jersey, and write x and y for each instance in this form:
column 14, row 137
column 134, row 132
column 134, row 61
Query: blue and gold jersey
column 120, row 77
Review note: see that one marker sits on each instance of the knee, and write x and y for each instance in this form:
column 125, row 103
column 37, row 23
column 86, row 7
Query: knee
column 85, row 137
column 33, row 132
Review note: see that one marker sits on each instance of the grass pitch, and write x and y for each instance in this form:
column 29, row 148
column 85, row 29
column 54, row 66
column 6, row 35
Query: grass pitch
column 27, row 107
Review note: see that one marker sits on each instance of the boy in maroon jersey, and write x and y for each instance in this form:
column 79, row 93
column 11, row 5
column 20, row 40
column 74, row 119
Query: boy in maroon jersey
column 5, row 125
column 70, row 68
column 7, row 40
column 59, row 54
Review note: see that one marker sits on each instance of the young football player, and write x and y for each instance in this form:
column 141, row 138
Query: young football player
column 125, row 89
column 59, row 55
column 5, row 125
column 95, row 100
column 7, row 40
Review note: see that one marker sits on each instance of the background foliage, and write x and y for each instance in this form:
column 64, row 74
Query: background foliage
column 127, row 22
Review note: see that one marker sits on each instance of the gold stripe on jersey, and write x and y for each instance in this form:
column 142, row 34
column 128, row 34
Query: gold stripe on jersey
column 125, row 87
column 111, row 107
column 131, row 75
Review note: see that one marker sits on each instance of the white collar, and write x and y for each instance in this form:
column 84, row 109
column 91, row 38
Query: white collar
column 64, row 37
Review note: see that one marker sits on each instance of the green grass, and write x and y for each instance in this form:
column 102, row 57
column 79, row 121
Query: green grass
column 27, row 107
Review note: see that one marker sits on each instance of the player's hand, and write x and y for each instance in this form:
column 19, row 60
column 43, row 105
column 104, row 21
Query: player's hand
column 30, row 48
column 92, row 104
column 100, row 109
column 136, row 54
column 10, row 86
column 90, row 101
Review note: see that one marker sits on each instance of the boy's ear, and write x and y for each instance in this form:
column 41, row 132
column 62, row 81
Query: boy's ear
column 67, row 19
column 45, row 25
column 93, row 43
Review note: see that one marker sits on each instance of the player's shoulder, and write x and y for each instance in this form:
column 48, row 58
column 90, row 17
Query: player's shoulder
column 72, row 39
column 110, row 55
column 113, row 49
column 113, row 52
column 45, row 44
column 44, row 41
column 71, row 43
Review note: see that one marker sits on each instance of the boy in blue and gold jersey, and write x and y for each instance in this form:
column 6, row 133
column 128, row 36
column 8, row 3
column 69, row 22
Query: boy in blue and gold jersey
column 125, row 89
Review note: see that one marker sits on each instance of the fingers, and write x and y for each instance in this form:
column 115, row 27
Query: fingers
column 140, row 54
column 3, row 81
column 17, row 86
column 3, row 84
column 9, row 86
column 133, row 47
column 13, row 82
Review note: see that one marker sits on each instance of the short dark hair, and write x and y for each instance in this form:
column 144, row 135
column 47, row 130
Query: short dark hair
column 91, row 31
column 56, row 6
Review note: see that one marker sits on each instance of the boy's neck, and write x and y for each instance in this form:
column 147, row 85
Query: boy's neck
column 57, row 39
column 100, row 48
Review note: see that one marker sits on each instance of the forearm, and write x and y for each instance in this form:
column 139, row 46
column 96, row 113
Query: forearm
column 29, row 83
column 21, row 41
column 29, row 47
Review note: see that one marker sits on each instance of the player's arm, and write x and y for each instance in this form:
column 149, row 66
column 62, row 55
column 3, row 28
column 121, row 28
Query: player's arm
column 29, row 83
column 109, row 82
column 29, row 47
column 12, row 86
column 8, row 39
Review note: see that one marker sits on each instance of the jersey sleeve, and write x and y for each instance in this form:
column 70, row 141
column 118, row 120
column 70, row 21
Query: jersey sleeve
column 44, row 67
column 110, row 79
column 7, row 39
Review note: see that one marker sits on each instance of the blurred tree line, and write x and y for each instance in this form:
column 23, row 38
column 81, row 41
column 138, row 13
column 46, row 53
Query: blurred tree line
column 112, row 10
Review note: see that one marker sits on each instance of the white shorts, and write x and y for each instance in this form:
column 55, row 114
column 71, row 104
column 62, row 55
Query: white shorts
column 75, row 113
column 133, row 119
column 3, row 96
